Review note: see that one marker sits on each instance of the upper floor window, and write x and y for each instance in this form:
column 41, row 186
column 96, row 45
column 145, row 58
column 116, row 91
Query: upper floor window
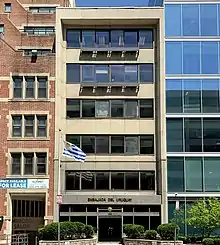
column 35, row 30
column 42, row 9
column 30, row 87
column 109, row 38
column 192, row 20
column 7, row 7
column 102, row 73
column 29, row 126
column 114, row 144
column 28, row 163
column 109, row 108
column 40, row 52
column 2, row 28
column 114, row 180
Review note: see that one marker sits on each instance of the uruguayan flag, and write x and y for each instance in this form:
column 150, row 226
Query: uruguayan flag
column 73, row 151
column 85, row 175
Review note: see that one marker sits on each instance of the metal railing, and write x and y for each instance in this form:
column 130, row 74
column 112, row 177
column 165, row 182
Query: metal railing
column 15, row 239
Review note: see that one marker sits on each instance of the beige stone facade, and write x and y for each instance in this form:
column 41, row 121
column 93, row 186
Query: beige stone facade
column 109, row 19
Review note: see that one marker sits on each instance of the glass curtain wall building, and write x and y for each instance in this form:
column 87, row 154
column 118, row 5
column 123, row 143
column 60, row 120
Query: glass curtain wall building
column 192, row 32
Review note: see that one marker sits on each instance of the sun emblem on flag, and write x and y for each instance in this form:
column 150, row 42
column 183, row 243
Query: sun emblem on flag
column 67, row 145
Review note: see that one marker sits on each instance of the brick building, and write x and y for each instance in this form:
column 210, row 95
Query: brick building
column 27, row 97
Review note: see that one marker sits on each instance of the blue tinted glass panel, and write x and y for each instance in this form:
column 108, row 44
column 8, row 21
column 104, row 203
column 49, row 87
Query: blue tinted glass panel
column 72, row 73
column 102, row 73
column 131, row 73
column 146, row 72
column 208, row 19
column 130, row 38
column 172, row 20
column 218, row 19
column 102, row 38
column 209, row 57
column 73, row 38
column 146, row 38
column 191, row 57
column 192, row 96
column 88, row 73
column 174, row 96
column 117, row 39
column 173, row 57
column 117, row 73
column 190, row 16
column 88, row 38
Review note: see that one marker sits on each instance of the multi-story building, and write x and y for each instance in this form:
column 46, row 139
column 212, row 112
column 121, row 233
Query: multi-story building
column 110, row 102
column 27, row 106
column 192, row 101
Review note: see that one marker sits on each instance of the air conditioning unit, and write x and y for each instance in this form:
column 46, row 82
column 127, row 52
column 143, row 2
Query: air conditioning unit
column 34, row 52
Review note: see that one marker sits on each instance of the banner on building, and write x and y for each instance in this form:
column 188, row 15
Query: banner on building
column 12, row 183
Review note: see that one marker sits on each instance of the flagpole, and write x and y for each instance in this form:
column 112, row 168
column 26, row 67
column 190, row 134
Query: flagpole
column 58, row 187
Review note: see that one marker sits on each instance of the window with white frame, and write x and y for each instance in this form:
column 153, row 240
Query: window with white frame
column 30, row 87
column 28, row 163
column 29, row 126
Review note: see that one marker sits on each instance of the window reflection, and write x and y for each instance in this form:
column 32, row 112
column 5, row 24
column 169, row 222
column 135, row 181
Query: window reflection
column 172, row 20
column 175, row 174
column 192, row 96
column 130, row 38
column 117, row 181
column 102, row 38
column 88, row 38
column 211, row 134
column 193, row 168
column 174, row 98
column 209, row 57
column 193, row 135
column 102, row 181
column 146, row 39
column 174, row 135
column 132, row 181
column 147, row 181
column 109, row 38
column 210, row 96
column 173, row 58
column 190, row 19
column 191, row 57
column 208, row 19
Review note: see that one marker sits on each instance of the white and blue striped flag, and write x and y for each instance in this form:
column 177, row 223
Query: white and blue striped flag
column 73, row 151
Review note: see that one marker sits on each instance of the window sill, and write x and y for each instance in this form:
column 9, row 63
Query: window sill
column 28, row 176
column 110, row 118
column 28, row 138
column 30, row 100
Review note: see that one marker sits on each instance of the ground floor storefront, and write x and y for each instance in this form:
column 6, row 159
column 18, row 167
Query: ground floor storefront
column 108, row 219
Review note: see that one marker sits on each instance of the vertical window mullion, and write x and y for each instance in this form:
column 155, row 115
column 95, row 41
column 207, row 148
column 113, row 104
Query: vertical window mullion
column 124, row 144
column 22, row 164
column 80, row 108
column 139, row 145
column 110, row 144
column 23, row 87
column 35, row 164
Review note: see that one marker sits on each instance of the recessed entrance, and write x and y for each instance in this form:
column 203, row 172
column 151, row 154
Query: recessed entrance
column 110, row 229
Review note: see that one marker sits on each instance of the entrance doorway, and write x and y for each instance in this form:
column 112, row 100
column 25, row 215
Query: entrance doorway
column 110, row 229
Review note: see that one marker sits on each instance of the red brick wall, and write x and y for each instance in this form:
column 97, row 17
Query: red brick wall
column 13, row 61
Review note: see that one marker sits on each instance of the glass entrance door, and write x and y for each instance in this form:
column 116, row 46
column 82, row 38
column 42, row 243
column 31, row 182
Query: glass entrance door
column 110, row 229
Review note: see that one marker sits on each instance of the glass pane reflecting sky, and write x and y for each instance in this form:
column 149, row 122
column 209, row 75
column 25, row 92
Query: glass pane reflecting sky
column 110, row 3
